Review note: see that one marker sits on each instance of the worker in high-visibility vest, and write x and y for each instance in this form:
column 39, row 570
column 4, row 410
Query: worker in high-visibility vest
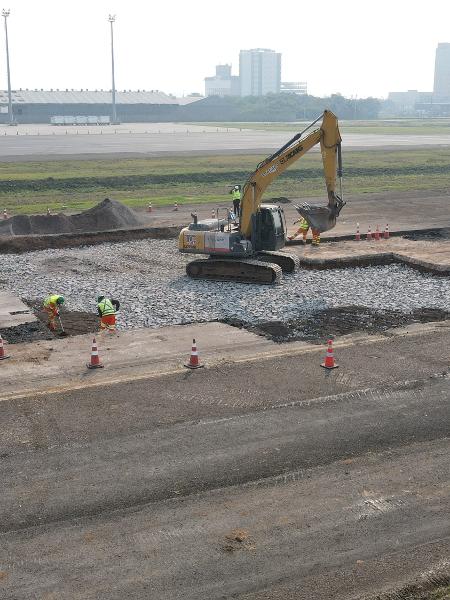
column 236, row 193
column 107, row 310
column 303, row 230
column 52, row 305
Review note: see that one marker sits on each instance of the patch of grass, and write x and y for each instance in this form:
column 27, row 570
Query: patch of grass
column 75, row 185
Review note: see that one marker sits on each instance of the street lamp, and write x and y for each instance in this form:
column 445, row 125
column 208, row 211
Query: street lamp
column 5, row 15
column 111, row 20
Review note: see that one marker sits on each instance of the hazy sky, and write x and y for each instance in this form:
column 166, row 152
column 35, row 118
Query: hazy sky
column 354, row 47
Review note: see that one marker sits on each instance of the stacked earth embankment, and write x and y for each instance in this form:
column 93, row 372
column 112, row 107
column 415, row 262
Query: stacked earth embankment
column 105, row 216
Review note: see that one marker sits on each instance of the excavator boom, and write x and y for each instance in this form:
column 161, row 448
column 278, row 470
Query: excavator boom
column 321, row 218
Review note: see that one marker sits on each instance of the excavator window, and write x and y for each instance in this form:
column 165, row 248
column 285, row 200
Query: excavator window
column 277, row 223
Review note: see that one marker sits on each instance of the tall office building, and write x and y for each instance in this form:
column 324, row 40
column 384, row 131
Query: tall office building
column 259, row 72
column 441, row 88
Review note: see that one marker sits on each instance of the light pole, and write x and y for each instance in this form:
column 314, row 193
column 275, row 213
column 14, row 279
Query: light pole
column 111, row 20
column 5, row 15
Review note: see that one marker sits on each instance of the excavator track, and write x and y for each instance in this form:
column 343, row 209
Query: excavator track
column 289, row 263
column 241, row 271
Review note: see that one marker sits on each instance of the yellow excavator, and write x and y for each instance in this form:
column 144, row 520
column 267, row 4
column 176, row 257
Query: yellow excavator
column 249, row 253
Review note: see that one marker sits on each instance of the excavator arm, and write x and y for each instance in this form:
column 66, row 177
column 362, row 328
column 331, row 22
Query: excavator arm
column 322, row 218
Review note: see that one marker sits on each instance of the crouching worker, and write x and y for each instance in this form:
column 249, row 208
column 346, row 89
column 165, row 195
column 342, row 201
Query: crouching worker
column 303, row 230
column 107, row 312
column 52, row 305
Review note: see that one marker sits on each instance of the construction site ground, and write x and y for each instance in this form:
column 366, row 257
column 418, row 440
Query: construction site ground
column 259, row 476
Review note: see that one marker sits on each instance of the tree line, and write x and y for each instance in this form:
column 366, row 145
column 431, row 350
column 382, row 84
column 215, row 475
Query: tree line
column 278, row 107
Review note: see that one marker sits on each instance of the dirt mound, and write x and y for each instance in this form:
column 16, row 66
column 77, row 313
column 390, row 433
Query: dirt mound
column 107, row 215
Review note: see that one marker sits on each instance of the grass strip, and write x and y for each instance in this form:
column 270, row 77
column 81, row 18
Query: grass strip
column 79, row 184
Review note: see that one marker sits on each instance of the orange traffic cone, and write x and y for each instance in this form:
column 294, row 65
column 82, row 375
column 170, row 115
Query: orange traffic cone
column 377, row 233
column 386, row 232
column 358, row 235
column 329, row 359
column 95, row 359
column 3, row 356
column 369, row 235
column 193, row 360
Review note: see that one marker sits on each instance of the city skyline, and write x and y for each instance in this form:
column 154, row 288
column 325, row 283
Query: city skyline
column 173, row 47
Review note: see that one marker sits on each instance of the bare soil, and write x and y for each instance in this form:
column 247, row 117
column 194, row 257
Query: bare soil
column 316, row 329
column 333, row 322
column 105, row 216
column 74, row 323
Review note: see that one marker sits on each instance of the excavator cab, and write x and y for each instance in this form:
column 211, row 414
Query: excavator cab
column 269, row 228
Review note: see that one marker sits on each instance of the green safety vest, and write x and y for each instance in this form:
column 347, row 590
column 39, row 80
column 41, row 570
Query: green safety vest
column 236, row 195
column 304, row 224
column 51, row 299
column 106, row 307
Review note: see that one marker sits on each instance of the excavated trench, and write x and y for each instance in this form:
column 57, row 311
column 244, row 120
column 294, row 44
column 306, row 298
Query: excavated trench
column 333, row 322
column 316, row 328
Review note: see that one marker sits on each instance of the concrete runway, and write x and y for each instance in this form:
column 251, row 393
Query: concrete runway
column 46, row 143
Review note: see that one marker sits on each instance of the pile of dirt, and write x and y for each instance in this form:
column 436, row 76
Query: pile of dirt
column 325, row 324
column 107, row 215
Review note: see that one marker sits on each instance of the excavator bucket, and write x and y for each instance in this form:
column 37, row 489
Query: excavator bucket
column 321, row 218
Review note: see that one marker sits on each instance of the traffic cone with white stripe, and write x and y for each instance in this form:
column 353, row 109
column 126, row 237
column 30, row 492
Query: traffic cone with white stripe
column 175, row 206
column 193, row 360
column 329, row 359
column 386, row 232
column 149, row 207
column 95, row 359
column 377, row 233
column 369, row 234
column 213, row 214
column 3, row 356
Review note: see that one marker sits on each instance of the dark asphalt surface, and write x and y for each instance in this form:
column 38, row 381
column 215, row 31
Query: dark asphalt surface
column 259, row 480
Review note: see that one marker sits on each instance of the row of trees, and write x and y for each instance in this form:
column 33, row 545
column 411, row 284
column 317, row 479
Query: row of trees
column 278, row 107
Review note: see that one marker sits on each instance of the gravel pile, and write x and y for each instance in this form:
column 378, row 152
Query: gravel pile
column 148, row 277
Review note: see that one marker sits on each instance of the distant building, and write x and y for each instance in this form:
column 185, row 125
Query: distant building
column 39, row 106
column 294, row 87
column 259, row 72
column 441, row 88
column 223, row 83
column 406, row 102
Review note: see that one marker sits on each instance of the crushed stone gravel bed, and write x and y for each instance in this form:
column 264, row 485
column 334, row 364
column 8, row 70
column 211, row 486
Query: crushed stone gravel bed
column 148, row 277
